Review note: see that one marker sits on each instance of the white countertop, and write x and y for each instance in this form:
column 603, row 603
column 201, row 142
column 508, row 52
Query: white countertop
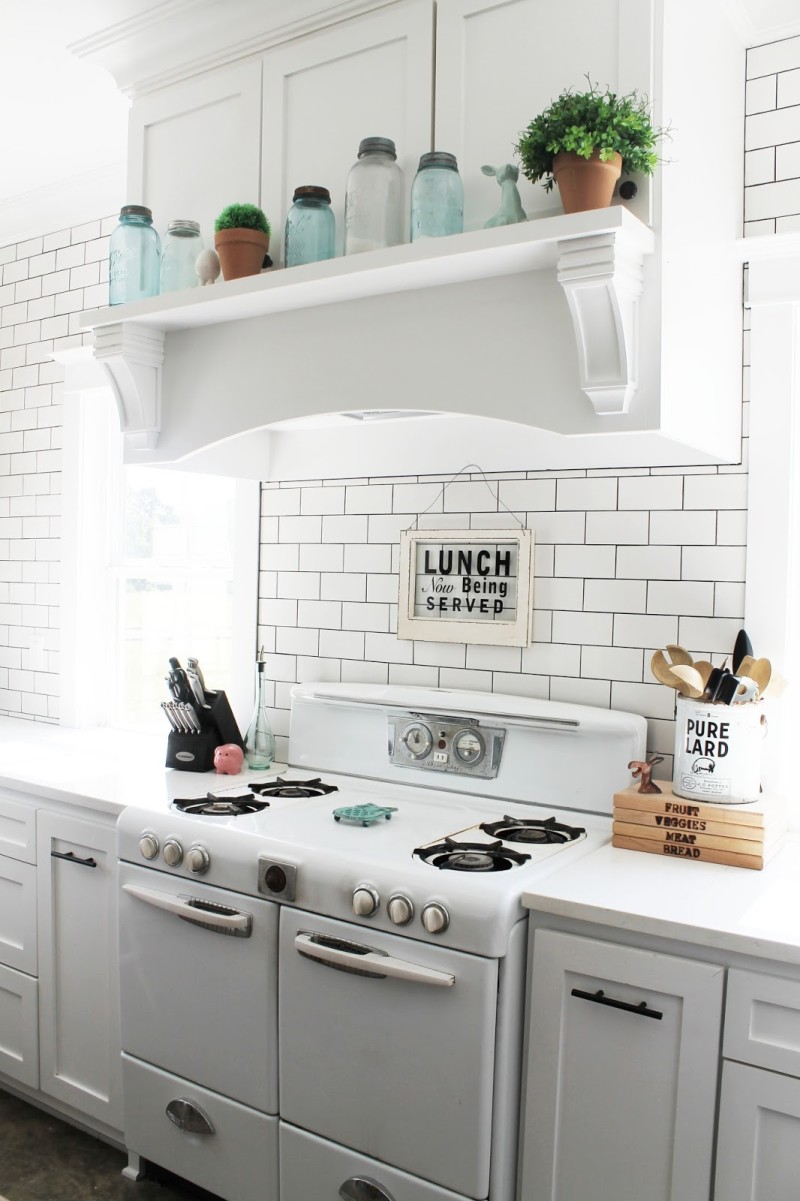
column 713, row 905
column 104, row 770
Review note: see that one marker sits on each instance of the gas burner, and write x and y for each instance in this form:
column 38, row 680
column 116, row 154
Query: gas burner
column 293, row 788
column 453, row 856
column 215, row 806
column 512, row 829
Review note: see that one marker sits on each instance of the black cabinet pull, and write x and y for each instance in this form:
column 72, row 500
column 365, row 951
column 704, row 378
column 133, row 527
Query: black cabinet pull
column 600, row 998
column 73, row 858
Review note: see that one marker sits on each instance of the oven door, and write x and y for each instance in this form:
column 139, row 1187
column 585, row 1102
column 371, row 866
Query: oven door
column 198, row 983
column 387, row 1047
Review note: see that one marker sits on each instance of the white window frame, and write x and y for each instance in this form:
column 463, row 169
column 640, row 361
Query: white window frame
column 91, row 522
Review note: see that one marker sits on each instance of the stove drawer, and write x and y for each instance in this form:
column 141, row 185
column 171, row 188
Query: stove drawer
column 397, row 1063
column 316, row 1170
column 225, row 1147
column 196, row 998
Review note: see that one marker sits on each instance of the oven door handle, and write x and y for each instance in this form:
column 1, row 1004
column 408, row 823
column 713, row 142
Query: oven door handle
column 212, row 917
column 364, row 961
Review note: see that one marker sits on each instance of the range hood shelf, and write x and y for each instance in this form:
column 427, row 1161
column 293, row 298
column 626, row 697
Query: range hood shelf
column 597, row 255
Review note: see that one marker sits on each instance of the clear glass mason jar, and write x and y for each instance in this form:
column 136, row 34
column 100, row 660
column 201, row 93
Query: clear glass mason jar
column 310, row 227
column 373, row 203
column 182, row 244
column 437, row 197
column 134, row 257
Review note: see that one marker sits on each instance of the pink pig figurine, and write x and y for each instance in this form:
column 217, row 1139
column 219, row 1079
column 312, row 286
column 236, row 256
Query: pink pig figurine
column 228, row 759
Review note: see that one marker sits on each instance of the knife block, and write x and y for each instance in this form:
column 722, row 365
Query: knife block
column 195, row 752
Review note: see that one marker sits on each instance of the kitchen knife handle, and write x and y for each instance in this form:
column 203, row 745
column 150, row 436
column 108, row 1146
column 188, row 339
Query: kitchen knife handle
column 600, row 998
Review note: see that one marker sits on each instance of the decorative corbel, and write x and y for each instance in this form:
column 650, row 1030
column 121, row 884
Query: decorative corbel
column 602, row 278
column 132, row 356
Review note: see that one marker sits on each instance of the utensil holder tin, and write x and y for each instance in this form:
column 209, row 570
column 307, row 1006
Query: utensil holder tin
column 718, row 751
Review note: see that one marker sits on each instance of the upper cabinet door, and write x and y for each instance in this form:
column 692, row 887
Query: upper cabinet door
column 371, row 76
column 499, row 63
column 195, row 147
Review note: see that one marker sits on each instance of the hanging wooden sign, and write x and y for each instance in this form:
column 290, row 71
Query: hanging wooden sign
column 466, row 586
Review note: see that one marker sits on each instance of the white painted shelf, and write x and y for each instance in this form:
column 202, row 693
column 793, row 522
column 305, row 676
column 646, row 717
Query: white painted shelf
column 434, row 262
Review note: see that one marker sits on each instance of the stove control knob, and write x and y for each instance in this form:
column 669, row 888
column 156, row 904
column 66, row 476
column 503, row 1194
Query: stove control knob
column 148, row 845
column 365, row 901
column 400, row 909
column 435, row 918
column 198, row 860
column 173, row 852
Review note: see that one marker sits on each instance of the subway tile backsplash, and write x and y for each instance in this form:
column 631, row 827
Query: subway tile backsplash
column 624, row 563
column 772, row 139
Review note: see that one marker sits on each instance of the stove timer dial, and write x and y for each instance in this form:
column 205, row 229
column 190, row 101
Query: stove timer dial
column 418, row 740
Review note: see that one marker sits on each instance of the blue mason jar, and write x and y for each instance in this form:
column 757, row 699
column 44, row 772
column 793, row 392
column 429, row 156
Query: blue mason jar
column 134, row 260
column 437, row 197
column 310, row 227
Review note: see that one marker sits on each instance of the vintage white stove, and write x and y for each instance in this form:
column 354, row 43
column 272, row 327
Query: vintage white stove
column 357, row 1029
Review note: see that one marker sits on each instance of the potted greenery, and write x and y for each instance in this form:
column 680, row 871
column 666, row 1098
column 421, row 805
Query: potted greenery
column 241, row 239
column 584, row 140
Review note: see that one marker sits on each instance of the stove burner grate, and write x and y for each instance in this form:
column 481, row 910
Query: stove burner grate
column 512, row 829
column 454, row 856
column 293, row 788
column 216, row 806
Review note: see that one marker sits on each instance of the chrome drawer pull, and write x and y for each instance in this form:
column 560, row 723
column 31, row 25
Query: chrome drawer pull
column 346, row 956
column 189, row 1117
column 73, row 858
column 600, row 998
column 361, row 1188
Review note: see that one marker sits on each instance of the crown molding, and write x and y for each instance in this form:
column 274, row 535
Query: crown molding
column 180, row 38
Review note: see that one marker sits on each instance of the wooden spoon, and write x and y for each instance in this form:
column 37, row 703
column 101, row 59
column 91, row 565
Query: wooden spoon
column 761, row 672
column 665, row 674
column 678, row 655
column 704, row 670
column 693, row 684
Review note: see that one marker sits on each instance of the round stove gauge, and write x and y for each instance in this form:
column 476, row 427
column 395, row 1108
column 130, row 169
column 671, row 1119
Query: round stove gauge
column 418, row 740
column 468, row 746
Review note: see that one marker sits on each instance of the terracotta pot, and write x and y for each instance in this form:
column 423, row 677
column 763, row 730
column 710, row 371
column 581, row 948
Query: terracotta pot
column 241, row 251
column 585, row 183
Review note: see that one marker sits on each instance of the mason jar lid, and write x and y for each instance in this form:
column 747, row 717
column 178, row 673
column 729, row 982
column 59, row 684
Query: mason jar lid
column 312, row 192
column 377, row 146
column 438, row 158
column 183, row 228
column 135, row 210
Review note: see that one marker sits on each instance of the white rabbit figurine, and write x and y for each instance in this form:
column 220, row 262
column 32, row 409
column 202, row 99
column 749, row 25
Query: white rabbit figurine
column 511, row 210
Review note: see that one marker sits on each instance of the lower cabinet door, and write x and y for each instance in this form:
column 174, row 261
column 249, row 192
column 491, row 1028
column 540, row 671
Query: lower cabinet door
column 312, row 1169
column 758, row 1145
column 228, row 1148
column 18, row 915
column 19, row 1036
column 622, row 1066
column 79, row 1038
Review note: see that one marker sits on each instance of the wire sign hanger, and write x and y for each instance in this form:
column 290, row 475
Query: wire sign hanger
column 472, row 469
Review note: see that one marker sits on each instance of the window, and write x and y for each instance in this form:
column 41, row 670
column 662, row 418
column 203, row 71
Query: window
column 158, row 562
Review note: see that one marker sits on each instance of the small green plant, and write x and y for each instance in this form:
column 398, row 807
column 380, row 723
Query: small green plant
column 587, row 121
column 242, row 216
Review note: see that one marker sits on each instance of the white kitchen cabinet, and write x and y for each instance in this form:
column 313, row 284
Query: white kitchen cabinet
column 19, row 1042
column 78, row 965
column 195, row 147
column 758, row 1148
column 488, row 89
column 622, row 1064
column 370, row 76
column 18, row 915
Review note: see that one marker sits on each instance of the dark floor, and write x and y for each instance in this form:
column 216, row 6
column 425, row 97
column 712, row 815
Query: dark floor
column 44, row 1159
